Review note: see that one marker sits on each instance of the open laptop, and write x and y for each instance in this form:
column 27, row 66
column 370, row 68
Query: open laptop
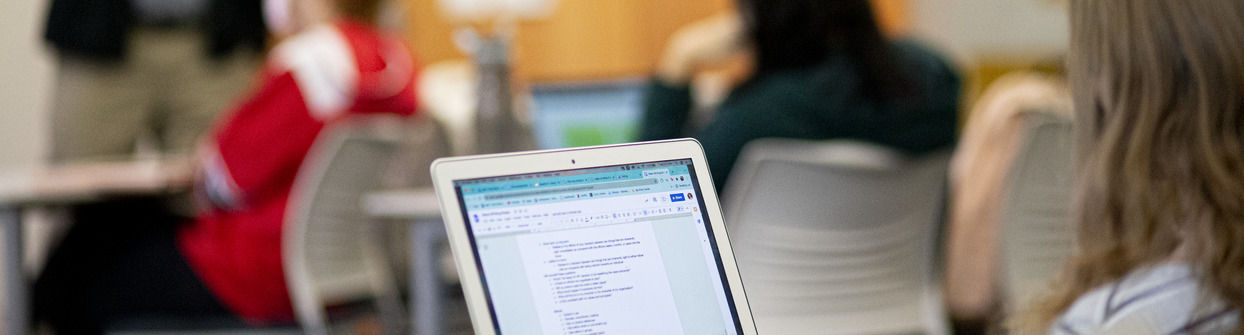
column 576, row 114
column 620, row 239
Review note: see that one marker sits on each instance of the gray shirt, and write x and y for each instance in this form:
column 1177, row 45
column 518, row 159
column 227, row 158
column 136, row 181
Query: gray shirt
column 1164, row 299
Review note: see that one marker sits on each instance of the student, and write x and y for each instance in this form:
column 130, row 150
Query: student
column 822, row 70
column 1159, row 91
column 979, row 174
column 227, row 261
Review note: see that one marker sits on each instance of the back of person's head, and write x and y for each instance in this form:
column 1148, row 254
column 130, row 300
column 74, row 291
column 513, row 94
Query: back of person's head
column 1159, row 93
column 797, row 34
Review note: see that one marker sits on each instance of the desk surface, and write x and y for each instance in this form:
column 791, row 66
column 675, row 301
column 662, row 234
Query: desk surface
column 417, row 203
column 85, row 181
column 67, row 184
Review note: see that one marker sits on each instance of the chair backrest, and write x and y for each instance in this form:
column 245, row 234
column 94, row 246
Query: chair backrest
column 330, row 252
column 1036, row 235
column 838, row 237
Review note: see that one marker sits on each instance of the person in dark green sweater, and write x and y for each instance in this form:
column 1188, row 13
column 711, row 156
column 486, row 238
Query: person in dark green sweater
column 821, row 70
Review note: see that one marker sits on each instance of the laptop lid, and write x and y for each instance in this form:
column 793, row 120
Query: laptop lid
column 622, row 239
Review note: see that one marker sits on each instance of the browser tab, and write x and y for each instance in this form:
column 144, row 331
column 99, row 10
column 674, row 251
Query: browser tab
column 656, row 172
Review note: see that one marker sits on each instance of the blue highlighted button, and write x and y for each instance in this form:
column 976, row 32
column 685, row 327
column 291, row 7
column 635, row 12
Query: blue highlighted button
column 676, row 197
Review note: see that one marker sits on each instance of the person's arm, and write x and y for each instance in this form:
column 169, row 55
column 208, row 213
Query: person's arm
column 309, row 80
column 669, row 102
column 260, row 145
column 978, row 176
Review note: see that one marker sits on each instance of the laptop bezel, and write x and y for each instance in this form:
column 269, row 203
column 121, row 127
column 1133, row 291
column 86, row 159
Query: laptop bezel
column 447, row 170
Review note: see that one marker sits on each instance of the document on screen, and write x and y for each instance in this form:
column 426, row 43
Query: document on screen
column 599, row 281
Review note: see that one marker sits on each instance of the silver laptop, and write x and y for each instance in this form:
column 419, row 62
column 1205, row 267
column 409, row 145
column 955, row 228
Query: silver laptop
column 621, row 239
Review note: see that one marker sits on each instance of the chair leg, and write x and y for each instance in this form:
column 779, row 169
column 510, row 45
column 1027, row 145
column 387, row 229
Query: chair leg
column 425, row 277
column 388, row 300
column 15, row 316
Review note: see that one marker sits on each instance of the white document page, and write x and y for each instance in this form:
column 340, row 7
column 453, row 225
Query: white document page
column 599, row 281
column 600, row 251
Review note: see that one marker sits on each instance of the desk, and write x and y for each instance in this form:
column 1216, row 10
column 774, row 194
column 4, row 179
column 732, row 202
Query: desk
column 22, row 189
column 427, row 232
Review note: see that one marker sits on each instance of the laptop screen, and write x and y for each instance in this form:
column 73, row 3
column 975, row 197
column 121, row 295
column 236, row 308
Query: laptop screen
column 586, row 113
column 620, row 249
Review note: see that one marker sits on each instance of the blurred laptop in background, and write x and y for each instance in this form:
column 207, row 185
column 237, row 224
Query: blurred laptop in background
column 575, row 114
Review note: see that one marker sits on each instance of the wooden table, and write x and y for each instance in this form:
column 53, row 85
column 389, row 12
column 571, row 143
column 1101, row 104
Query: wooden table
column 22, row 189
column 427, row 233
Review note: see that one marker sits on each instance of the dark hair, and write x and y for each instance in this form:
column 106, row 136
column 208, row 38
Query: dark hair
column 794, row 34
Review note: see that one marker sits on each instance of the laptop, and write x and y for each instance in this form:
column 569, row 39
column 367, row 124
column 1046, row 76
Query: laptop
column 576, row 114
column 618, row 239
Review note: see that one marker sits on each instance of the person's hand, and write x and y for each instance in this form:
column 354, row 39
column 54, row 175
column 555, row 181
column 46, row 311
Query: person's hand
column 703, row 42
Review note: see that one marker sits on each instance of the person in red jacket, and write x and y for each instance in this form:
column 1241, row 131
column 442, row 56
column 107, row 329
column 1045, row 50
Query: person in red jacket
column 227, row 260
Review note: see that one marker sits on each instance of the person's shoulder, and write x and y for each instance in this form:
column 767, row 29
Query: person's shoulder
column 1163, row 299
column 386, row 66
column 323, row 67
column 369, row 40
column 338, row 65
column 322, row 51
column 339, row 44
column 919, row 56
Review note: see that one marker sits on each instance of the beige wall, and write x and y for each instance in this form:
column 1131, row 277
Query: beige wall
column 25, row 81
column 989, row 30
column 989, row 38
column 580, row 40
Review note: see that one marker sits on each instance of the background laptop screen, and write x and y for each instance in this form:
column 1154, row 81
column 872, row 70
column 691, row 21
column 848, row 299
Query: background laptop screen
column 586, row 113
column 610, row 250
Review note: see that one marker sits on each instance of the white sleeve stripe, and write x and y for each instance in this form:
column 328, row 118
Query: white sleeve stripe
column 219, row 185
column 324, row 69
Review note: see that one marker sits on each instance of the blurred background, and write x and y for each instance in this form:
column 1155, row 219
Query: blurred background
column 580, row 41
column 577, row 69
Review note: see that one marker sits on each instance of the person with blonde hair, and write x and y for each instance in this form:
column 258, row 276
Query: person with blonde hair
column 1159, row 93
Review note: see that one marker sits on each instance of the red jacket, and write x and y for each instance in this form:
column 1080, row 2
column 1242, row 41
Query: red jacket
column 310, row 80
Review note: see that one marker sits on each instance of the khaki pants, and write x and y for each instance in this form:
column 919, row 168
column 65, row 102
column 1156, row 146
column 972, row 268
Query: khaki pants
column 167, row 90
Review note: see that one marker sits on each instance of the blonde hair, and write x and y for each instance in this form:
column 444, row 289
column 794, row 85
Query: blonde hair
column 1159, row 91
